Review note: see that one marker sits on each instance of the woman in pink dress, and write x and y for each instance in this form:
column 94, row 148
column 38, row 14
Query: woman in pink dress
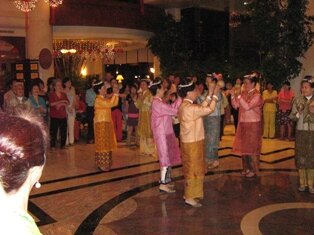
column 285, row 98
column 165, row 139
column 248, row 139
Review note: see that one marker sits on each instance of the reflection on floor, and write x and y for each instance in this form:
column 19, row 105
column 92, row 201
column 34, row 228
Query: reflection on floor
column 76, row 198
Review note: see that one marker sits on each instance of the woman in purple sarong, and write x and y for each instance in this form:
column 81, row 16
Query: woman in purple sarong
column 165, row 139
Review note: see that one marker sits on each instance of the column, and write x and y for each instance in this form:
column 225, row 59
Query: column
column 39, row 36
column 157, row 67
column 95, row 68
column 307, row 61
column 175, row 12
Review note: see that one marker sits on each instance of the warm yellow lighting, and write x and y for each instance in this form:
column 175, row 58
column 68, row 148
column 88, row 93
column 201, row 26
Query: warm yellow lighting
column 84, row 72
column 152, row 70
column 64, row 51
column 147, row 76
column 72, row 51
column 119, row 78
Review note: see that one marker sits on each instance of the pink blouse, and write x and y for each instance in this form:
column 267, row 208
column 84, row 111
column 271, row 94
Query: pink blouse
column 250, row 106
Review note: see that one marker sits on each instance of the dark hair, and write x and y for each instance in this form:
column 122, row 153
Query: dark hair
column 23, row 141
column 269, row 83
column 133, row 85
column 50, row 81
column 167, row 80
column 287, row 83
column 40, row 81
column 113, row 79
column 153, row 88
column 307, row 79
column 65, row 80
column 33, row 85
column 144, row 80
column 183, row 91
column 90, row 82
column 252, row 79
column 109, row 91
column 97, row 87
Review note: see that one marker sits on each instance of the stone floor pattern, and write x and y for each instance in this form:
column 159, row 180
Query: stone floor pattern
column 77, row 198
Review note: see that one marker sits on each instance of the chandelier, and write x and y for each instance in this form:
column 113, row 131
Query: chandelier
column 29, row 5
column 87, row 49
column 54, row 3
column 25, row 5
column 234, row 19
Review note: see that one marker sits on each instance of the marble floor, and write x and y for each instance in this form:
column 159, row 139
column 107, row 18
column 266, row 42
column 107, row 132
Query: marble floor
column 76, row 198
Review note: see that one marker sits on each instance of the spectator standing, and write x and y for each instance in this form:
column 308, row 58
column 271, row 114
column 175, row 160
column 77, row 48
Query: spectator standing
column 90, row 97
column 39, row 104
column 58, row 101
column 116, row 113
column 269, row 111
column 132, row 113
column 17, row 102
column 70, row 109
column 285, row 98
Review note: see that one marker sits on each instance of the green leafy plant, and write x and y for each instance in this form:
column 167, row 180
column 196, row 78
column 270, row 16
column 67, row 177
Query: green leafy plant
column 169, row 44
column 283, row 34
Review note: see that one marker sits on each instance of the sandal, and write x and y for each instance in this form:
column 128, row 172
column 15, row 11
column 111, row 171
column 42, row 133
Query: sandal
column 250, row 175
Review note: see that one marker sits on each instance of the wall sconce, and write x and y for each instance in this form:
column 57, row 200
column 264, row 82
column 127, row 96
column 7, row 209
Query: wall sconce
column 152, row 70
column 66, row 51
column 84, row 71
column 119, row 78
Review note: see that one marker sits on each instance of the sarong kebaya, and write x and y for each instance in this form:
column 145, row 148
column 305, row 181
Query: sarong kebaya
column 165, row 139
column 192, row 139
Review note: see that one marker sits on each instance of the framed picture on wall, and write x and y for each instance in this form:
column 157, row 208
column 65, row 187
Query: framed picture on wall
column 19, row 76
column 34, row 67
column 34, row 75
column 19, row 67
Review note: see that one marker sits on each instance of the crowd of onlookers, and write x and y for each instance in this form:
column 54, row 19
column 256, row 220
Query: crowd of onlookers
column 67, row 110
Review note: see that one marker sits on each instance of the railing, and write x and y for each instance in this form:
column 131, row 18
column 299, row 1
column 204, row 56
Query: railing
column 106, row 13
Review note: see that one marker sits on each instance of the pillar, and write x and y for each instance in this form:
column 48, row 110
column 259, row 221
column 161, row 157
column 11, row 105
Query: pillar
column 307, row 61
column 39, row 36
column 157, row 67
column 95, row 68
column 175, row 12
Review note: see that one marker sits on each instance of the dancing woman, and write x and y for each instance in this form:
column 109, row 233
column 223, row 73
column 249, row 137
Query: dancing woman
column 248, row 139
column 165, row 139
column 105, row 138
column 143, row 103
column 192, row 139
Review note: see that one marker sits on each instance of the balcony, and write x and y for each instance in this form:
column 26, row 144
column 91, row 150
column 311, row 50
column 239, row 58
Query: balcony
column 101, row 13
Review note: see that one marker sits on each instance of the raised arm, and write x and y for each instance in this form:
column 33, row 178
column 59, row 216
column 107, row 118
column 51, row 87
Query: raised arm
column 256, row 101
column 164, row 109
column 101, row 103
